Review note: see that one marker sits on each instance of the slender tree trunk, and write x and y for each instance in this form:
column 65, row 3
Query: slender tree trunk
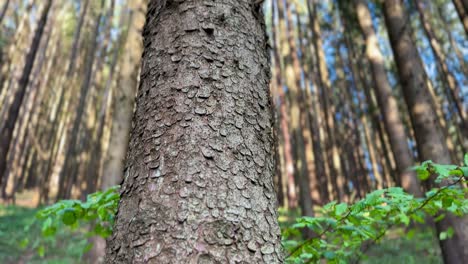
column 454, row 45
column 387, row 103
column 462, row 10
column 65, row 176
column 431, row 145
column 318, row 179
column 198, row 180
column 3, row 11
column 298, row 117
column 123, row 103
column 453, row 86
column 7, row 129
column 68, row 78
column 326, row 100
column 284, row 123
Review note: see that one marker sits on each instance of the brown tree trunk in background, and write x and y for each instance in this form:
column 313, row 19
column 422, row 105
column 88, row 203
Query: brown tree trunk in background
column 54, row 132
column 430, row 141
column 326, row 100
column 451, row 82
column 387, row 103
column 66, row 179
column 318, row 179
column 12, row 115
column 198, row 182
column 123, row 102
column 298, row 117
column 462, row 10
column 284, row 123
column 3, row 12
column 454, row 45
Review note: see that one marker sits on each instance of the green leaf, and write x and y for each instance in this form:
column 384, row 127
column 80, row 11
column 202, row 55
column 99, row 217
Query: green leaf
column 465, row 159
column 443, row 235
column 404, row 219
column 47, row 228
column 341, row 208
column 450, row 232
column 24, row 243
column 329, row 254
column 68, row 216
column 41, row 251
column 423, row 174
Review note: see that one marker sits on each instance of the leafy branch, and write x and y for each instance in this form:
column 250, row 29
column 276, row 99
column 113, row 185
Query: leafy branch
column 342, row 229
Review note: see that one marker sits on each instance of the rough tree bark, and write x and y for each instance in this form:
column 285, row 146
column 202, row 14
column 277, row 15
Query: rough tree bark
column 198, row 182
column 429, row 138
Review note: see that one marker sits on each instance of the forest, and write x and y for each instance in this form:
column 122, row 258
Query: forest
column 234, row 131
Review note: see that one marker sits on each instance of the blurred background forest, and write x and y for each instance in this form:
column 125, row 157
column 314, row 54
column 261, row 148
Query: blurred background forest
column 345, row 126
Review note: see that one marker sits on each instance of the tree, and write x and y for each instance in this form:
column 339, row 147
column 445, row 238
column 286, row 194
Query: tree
column 430, row 142
column 387, row 102
column 462, row 10
column 67, row 178
column 198, row 179
column 6, row 131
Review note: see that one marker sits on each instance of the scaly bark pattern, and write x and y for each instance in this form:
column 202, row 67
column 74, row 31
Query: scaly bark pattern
column 198, row 180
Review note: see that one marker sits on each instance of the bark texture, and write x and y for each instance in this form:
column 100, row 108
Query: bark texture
column 429, row 138
column 198, row 184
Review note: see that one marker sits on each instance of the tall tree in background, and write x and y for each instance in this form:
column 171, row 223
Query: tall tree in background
column 7, row 128
column 462, row 10
column 67, row 179
column 3, row 10
column 430, row 142
column 449, row 79
column 198, row 180
column 387, row 102
column 124, row 102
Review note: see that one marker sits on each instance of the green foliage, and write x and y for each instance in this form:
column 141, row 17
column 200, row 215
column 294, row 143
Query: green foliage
column 98, row 210
column 344, row 232
column 21, row 240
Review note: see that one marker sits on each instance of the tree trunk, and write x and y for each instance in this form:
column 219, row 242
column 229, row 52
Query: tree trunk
column 124, row 100
column 7, row 129
column 284, row 122
column 298, row 116
column 198, row 182
column 3, row 11
column 326, row 99
column 65, row 176
column 449, row 78
column 431, row 145
column 387, row 103
column 462, row 10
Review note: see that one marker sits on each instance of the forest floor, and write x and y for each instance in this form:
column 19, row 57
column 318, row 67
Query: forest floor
column 21, row 242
